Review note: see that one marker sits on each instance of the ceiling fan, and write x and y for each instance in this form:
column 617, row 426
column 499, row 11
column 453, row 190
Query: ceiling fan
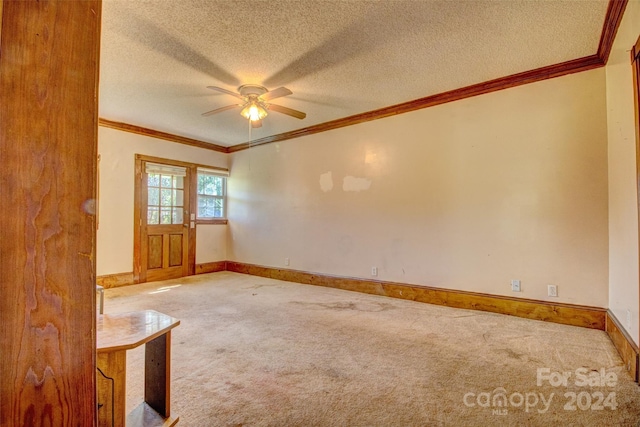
column 255, row 103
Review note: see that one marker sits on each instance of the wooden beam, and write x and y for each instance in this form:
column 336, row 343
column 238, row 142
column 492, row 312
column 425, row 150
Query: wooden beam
column 125, row 127
column 635, row 64
column 1, row 22
column 48, row 146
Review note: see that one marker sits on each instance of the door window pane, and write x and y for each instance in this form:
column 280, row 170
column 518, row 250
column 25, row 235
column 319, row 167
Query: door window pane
column 153, row 180
column 154, row 196
column 165, row 197
column 177, row 216
column 178, row 197
column 165, row 181
column 165, row 215
column 153, row 215
column 178, row 182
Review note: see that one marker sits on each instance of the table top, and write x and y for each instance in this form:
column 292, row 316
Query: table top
column 129, row 330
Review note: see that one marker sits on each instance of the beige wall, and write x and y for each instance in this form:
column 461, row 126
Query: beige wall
column 211, row 243
column 623, row 202
column 466, row 195
column 117, row 151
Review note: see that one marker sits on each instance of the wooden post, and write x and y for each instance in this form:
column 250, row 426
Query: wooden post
column 48, row 145
column 157, row 368
column 635, row 63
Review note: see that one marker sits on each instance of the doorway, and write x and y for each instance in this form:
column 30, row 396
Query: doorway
column 162, row 219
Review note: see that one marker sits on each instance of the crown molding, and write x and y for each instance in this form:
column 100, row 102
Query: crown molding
column 126, row 127
column 612, row 20
column 548, row 72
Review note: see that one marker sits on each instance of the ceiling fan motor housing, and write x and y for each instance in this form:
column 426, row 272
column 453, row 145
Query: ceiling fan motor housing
column 255, row 90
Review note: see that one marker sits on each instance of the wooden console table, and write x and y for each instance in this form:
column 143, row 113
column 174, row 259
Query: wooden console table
column 117, row 333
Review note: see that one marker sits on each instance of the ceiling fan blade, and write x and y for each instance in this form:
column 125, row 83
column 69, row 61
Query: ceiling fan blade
column 276, row 93
column 228, row 92
column 256, row 124
column 220, row 110
column 288, row 111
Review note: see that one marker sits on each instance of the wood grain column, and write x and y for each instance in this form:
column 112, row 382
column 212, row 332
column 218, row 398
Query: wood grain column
column 48, row 145
column 635, row 63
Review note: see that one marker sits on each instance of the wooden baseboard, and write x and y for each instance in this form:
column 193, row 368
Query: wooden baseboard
column 624, row 344
column 125, row 279
column 568, row 314
column 211, row 267
column 115, row 280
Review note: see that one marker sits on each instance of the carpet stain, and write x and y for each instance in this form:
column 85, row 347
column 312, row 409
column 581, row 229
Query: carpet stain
column 333, row 373
column 257, row 286
column 233, row 387
column 346, row 306
column 512, row 354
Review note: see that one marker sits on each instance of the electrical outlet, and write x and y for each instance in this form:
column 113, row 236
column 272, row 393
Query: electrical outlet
column 628, row 320
column 515, row 285
column 552, row 290
column 286, row 261
column 374, row 271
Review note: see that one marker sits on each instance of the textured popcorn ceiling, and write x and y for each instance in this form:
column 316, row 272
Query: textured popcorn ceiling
column 338, row 57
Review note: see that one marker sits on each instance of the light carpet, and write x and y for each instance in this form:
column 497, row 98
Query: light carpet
column 252, row 351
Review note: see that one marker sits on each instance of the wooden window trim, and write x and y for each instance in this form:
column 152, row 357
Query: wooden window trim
column 153, row 159
column 216, row 221
column 220, row 220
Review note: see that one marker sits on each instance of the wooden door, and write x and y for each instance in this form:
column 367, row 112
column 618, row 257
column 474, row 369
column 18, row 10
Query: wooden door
column 163, row 215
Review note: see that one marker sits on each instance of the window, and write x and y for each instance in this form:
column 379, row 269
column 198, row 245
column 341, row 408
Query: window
column 212, row 190
column 165, row 187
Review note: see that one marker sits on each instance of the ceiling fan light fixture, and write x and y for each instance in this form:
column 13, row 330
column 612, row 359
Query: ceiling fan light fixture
column 254, row 111
column 256, row 102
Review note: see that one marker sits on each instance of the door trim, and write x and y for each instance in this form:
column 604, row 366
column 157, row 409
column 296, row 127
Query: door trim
column 137, row 212
column 139, row 189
